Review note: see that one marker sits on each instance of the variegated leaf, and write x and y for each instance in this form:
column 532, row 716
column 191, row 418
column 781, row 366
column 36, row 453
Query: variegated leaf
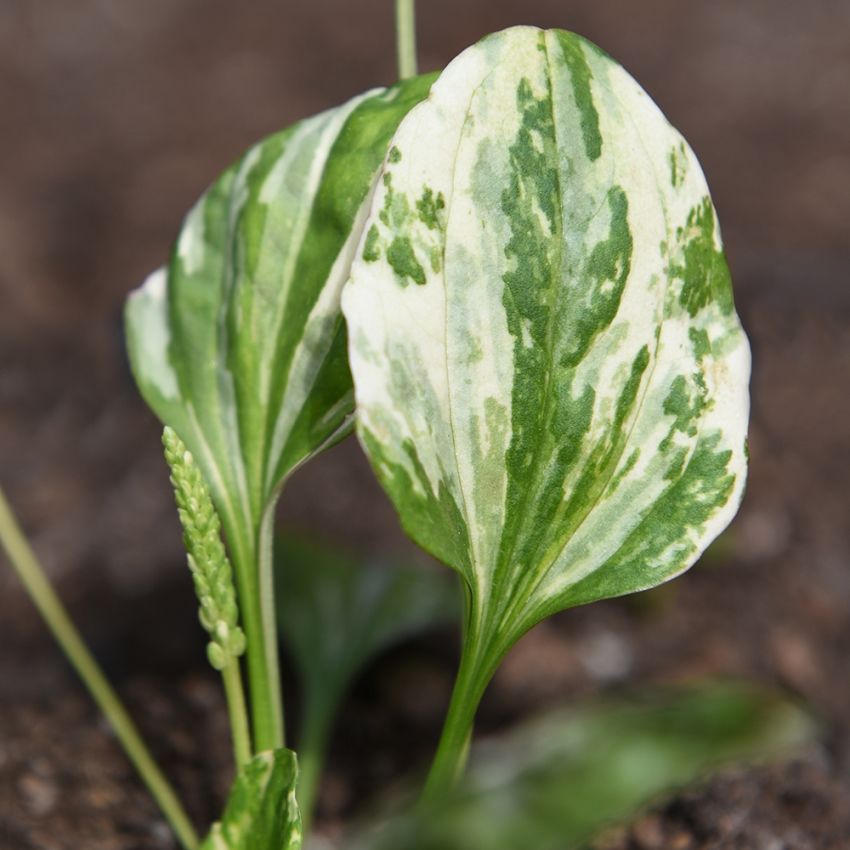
column 239, row 345
column 261, row 812
column 559, row 780
column 551, row 380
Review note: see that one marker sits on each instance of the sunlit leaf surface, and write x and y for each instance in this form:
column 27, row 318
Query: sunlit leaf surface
column 552, row 382
column 261, row 811
column 556, row 783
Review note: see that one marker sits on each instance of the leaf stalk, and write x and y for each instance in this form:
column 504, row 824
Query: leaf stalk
column 405, row 22
column 474, row 674
column 268, row 619
column 34, row 579
column 237, row 711
column 263, row 680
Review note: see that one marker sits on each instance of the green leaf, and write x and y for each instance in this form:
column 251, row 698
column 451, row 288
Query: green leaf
column 336, row 614
column 551, row 380
column 239, row 345
column 261, row 811
column 556, row 783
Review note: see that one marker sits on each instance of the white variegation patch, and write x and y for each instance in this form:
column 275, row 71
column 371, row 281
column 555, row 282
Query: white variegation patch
column 150, row 303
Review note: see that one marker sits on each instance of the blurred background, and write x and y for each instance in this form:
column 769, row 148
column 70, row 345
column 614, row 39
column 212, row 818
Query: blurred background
column 115, row 118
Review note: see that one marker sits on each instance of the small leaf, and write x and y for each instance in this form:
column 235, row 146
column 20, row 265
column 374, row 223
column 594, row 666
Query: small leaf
column 261, row 812
column 552, row 382
column 336, row 613
column 556, row 783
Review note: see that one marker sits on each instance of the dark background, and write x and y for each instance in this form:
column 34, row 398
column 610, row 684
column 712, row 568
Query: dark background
column 116, row 115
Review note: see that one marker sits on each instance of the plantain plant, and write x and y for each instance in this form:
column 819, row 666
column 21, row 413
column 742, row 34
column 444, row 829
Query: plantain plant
column 511, row 278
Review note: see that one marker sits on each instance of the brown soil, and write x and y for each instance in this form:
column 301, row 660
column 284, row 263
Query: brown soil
column 117, row 115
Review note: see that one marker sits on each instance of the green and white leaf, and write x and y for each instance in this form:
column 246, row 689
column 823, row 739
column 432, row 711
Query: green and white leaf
column 556, row 782
column 261, row 812
column 239, row 345
column 551, row 380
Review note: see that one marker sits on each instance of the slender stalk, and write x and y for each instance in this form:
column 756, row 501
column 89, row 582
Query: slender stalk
column 263, row 679
column 453, row 749
column 268, row 617
column 405, row 23
column 50, row 607
column 241, row 555
column 237, row 712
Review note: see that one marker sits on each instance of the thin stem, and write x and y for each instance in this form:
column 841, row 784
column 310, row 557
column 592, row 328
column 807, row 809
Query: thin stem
column 263, row 675
column 237, row 712
column 268, row 617
column 50, row 607
column 405, row 23
column 453, row 749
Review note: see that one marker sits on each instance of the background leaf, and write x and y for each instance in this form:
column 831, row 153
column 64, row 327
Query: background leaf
column 552, row 382
column 336, row 613
column 261, row 811
column 554, row 784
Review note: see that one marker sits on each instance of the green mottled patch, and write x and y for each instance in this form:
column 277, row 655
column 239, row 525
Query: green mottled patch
column 394, row 155
column 601, row 459
column 430, row 208
column 371, row 248
column 426, row 515
column 703, row 268
column 700, row 342
column 678, row 161
column 608, row 268
column 421, row 225
column 580, row 77
column 626, row 468
column 685, row 402
column 531, row 202
column 692, row 498
column 403, row 261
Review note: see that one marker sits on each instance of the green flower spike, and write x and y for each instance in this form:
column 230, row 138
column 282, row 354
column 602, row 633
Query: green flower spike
column 213, row 578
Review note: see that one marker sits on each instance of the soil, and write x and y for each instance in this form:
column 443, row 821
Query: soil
column 117, row 115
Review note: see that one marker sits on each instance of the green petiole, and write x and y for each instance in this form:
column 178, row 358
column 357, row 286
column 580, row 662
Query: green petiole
column 405, row 21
